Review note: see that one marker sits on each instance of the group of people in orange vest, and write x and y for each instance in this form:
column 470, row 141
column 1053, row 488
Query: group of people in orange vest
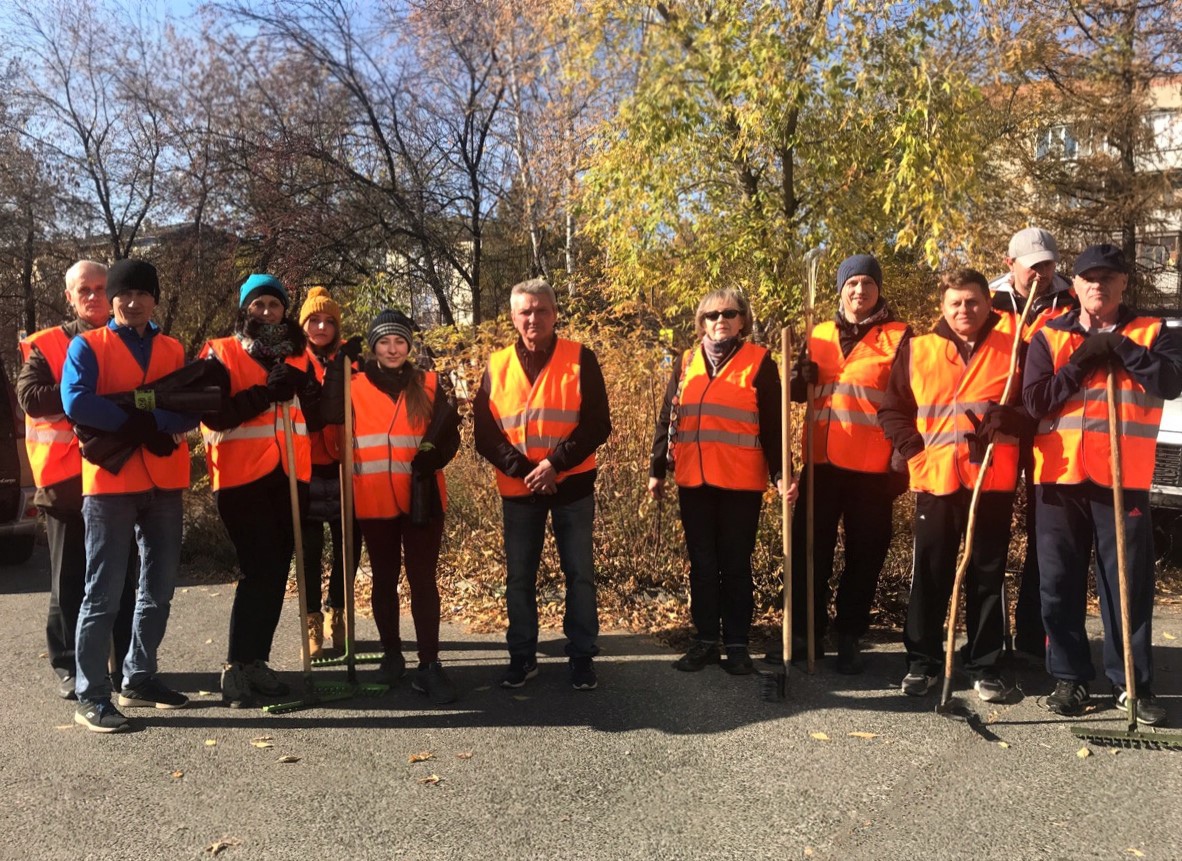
column 890, row 410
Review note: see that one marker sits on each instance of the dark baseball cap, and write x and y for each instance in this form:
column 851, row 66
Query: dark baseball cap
column 1103, row 256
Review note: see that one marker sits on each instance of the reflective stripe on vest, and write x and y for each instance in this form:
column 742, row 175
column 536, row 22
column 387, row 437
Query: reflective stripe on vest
column 49, row 440
column 1009, row 319
column 717, row 440
column 846, row 432
column 119, row 371
column 945, row 390
column 536, row 418
column 246, row 453
column 1073, row 446
column 385, row 441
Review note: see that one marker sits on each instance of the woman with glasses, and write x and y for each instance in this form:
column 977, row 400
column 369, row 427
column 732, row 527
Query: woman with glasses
column 720, row 430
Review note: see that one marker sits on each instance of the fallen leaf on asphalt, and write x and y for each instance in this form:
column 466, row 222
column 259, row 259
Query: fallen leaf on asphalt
column 215, row 594
column 184, row 591
column 1168, row 636
column 65, row 726
column 421, row 756
column 287, row 757
column 1113, row 751
column 520, row 697
column 819, row 736
column 261, row 744
column 808, row 852
column 1136, row 853
column 1083, row 753
column 431, row 779
column 467, row 754
column 483, row 688
column 262, row 738
column 863, row 735
column 207, row 642
column 210, row 742
column 177, row 775
column 217, row 847
column 1004, row 744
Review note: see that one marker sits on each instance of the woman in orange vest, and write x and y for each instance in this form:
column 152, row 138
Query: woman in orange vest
column 720, row 428
column 267, row 372
column 405, row 430
column 320, row 318
column 940, row 412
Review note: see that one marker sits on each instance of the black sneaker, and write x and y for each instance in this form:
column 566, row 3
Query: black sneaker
column 738, row 661
column 699, row 655
column 521, row 670
column 991, row 689
column 849, row 658
column 582, row 674
column 1069, row 699
column 264, row 680
column 152, row 694
column 65, row 687
column 392, row 668
column 1149, row 711
column 101, row 717
column 917, row 684
column 236, row 690
column 433, row 681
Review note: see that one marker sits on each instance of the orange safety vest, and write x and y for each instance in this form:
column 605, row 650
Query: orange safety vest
column 945, row 389
column 536, row 417
column 385, row 440
column 717, row 440
column 50, row 440
column 1073, row 446
column 252, row 450
column 326, row 443
column 846, row 432
column 119, row 371
column 1009, row 320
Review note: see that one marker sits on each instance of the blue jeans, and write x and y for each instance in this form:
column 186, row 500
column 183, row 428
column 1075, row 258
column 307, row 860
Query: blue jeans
column 525, row 532
column 154, row 518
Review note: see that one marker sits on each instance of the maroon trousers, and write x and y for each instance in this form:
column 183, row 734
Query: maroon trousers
column 389, row 543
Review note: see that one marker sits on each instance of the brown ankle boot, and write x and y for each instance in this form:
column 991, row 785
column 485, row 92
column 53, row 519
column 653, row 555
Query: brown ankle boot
column 315, row 634
column 336, row 628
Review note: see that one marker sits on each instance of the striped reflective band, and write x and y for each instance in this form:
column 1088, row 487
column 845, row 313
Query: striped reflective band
column 937, row 411
column 381, row 465
column 516, row 420
column 852, row 417
column 851, row 390
column 47, row 435
column 376, row 440
column 736, row 439
column 719, row 411
column 242, row 432
column 1141, row 430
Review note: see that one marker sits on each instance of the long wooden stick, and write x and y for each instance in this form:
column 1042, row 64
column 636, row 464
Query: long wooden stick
column 785, row 507
column 297, row 536
column 1122, row 571
column 347, row 536
column 810, row 581
column 970, row 528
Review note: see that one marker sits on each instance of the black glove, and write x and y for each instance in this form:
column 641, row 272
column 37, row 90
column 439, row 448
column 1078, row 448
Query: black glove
column 1007, row 420
column 139, row 427
column 977, row 445
column 351, row 349
column 282, row 382
column 427, row 460
column 1096, row 350
column 161, row 444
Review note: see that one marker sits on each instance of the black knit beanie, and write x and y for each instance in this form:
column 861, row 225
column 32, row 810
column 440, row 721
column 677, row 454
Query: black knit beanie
column 133, row 275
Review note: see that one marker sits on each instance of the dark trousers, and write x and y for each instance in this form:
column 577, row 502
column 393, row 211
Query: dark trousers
column 258, row 517
column 940, row 523
column 1028, row 611
column 67, row 585
column 720, row 528
column 393, row 543
column 313, row 541
column 862, row 502
column 1072, row 518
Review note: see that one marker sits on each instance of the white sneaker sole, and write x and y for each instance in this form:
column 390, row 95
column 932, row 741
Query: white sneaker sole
column 82, row 721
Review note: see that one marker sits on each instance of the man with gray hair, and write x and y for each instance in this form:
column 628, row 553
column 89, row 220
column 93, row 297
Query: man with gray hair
column 540, row 414
column 57, row 469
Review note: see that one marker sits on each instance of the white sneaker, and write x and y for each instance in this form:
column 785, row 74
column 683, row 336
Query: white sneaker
column 917, row 684
column 991, row 689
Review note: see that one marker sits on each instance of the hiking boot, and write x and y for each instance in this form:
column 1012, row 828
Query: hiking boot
column 1069, row 699
column 336, row 628
column 699, row 655
column 236, row 690
column 263, row 680
column 582, row 674
column 392, row 668
column 917, row 684
column 849, row 658
column 65, row 687
column 991, row 689
column 315, row 635
column 152, row 694
column 1149, row 711
column 738, row 661
column 101, row 716
column 433, row 681
column 520, row 671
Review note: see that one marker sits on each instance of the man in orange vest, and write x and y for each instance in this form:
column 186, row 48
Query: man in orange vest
column 1066, row 387
column 142, row 499
column 1032, row 255
column 849, row 361
column 940, row 412
column 540, row 414
column 57, row 469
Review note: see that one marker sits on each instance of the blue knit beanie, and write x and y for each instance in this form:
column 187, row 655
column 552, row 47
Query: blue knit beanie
column 859, row 264
column 258, row 285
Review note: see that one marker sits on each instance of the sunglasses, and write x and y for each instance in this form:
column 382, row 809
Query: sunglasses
column 728, row 314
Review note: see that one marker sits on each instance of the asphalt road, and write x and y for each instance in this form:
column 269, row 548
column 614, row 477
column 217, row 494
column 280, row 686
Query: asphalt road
column 655, row 764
